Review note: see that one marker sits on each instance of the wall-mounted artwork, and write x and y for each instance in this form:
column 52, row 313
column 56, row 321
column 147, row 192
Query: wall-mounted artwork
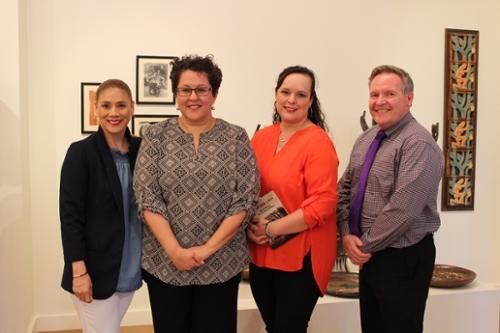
column 460, row 119
column 89, row 120
column 141, row 122
column 153, row 85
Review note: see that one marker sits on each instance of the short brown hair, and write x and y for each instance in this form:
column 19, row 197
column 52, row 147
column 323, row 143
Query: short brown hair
column 405, row 77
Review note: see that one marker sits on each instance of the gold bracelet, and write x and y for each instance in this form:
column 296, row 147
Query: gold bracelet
column 79, row 285
column 77, row 276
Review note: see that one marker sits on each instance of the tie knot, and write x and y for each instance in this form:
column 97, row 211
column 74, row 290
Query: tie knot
column 381, row 134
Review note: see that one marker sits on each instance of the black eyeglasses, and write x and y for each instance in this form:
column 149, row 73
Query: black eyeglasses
column 200, row 91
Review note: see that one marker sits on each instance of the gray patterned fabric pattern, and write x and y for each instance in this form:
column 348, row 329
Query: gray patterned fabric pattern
column 195, row 192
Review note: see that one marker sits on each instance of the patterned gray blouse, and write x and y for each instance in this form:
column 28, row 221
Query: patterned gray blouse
column 195, row 192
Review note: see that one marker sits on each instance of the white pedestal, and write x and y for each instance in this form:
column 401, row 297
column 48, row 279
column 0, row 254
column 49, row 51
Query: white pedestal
column 470, row 309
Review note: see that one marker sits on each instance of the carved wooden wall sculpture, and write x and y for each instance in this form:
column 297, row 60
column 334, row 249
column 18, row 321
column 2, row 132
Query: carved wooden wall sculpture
column 460, row 119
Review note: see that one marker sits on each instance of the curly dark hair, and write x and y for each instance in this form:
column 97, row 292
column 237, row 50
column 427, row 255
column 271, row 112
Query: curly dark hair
column 315, row 114
column 197, row 64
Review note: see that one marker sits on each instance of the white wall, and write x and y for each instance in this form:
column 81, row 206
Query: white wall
column 69, row 42
column 16, row 255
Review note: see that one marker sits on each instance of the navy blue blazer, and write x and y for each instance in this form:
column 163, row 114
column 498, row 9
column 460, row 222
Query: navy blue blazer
column 91, row 212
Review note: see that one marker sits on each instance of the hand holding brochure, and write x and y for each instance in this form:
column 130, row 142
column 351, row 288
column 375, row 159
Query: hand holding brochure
column 271, row 208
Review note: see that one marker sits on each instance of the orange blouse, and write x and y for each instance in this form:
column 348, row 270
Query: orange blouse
column 303, row 174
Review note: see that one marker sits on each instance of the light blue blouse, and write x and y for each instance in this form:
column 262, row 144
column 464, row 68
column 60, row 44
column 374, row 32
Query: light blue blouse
column 130, row 277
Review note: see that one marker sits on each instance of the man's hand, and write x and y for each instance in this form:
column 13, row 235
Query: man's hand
column 352, row 244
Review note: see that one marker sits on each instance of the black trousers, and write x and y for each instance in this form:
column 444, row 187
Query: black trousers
column 193, row 309
column 285, row 300
column 393, row 288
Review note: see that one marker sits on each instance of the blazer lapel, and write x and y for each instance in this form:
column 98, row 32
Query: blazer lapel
column 111, row 173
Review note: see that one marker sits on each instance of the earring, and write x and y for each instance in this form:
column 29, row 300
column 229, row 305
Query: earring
column 213, row 107
column 310, row 112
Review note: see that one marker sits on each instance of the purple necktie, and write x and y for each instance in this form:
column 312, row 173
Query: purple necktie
column 357, row 202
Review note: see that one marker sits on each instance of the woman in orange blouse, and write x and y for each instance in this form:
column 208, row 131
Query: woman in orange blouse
column 297, row 161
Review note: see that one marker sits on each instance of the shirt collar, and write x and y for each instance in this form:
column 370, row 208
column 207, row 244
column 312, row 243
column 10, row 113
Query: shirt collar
column 399, row 125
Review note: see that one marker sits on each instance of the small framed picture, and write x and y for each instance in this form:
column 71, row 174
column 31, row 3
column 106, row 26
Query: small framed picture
column 153, row 84
column 140, row 123
column 90, row 123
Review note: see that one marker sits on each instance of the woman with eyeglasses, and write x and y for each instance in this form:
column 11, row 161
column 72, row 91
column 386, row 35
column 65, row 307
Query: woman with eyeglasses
column 297, row 161
column 197, row 186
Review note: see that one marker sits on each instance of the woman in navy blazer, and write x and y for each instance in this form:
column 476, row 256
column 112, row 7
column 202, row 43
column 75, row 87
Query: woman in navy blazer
column 101, row 234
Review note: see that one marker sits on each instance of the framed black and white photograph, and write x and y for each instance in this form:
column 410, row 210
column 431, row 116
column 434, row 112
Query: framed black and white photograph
column 153, row 84
column 90, row 122
column 140, row 123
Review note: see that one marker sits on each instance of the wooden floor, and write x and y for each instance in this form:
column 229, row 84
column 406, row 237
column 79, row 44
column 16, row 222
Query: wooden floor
column 128, row 329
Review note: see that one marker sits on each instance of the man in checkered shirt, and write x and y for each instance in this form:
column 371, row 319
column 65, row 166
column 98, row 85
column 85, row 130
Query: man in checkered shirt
column 399, row 215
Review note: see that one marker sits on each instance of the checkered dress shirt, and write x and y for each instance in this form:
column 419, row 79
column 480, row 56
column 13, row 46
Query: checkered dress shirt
column 400, row 204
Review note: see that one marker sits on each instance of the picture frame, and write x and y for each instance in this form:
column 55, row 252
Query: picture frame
column 141, row 122
column 153, row 85
column 460, row 119
column 89, row 122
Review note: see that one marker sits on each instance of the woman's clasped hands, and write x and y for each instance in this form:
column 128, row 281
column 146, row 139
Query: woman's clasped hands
column 256, row 231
